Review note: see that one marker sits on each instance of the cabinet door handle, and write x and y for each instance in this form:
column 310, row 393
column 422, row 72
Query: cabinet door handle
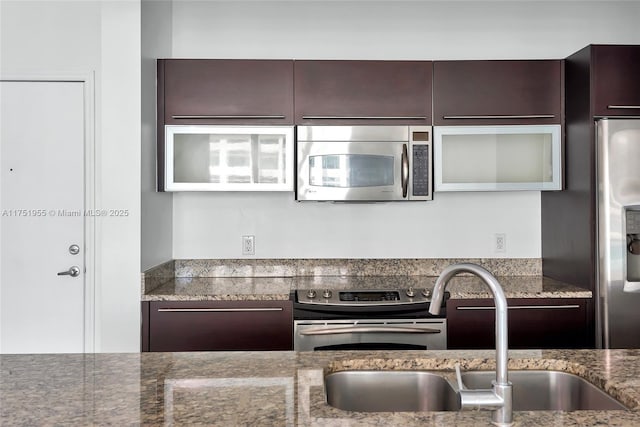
column 364, row 117
column 624, row 107
column 522, row 307
column 231, row 117
column 219, row 310
column 501, row 116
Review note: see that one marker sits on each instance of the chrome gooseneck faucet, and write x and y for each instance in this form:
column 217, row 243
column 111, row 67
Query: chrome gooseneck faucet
column 499, row 398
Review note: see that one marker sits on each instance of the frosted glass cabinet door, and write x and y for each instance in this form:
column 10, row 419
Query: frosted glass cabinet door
column 486, row 158
column 220, row 158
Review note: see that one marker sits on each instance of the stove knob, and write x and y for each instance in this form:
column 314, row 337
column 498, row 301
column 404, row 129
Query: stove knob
column 311, row 294
column 426, row 293
column 326, row 293
column 410, row 293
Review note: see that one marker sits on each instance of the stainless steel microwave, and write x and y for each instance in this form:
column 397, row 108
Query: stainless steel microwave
column 364, row 163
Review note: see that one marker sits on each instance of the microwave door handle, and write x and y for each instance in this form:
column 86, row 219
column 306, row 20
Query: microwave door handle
column 405, row 170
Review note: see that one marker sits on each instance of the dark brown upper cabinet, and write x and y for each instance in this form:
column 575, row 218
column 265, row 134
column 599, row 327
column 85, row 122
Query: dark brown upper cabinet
column 363, row 92
column 615, row 79
column 229, row 92
column 497, row 92
column 221, row 92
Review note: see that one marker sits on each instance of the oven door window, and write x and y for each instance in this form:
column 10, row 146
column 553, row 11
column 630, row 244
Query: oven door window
column 351, row 170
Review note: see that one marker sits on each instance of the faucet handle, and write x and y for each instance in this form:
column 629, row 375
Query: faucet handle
column 461, row 385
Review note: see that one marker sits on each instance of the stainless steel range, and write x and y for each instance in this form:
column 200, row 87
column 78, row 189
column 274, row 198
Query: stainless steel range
column 366, row 319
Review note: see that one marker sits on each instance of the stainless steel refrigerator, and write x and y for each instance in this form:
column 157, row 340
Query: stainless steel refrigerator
column 618, row 234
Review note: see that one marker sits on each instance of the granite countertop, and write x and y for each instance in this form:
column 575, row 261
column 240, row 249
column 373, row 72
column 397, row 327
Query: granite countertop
column 274, row 279
column 273, row 388
column 278, row 288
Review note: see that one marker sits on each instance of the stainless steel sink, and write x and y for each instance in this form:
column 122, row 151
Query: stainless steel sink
column 390, row 391
column 403, row 391
column 547, row 391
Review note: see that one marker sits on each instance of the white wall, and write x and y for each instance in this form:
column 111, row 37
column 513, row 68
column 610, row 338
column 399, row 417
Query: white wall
column 69, row 38
column 453, row 225
column 119, row 177
column 420, row 29
column 157, row 208
column 49, row 37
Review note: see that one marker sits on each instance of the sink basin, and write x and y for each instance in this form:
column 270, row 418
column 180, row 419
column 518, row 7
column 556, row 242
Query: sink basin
column 406, row 391
column 390, row 391
column 547, row 391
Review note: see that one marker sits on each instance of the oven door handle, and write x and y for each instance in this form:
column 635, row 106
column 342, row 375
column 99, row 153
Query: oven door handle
column 368, row 330
column 405, row 170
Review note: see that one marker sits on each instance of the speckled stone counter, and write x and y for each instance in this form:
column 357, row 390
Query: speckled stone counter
column 274, row 388
column 249, row 267
column 222, row 289
column 278, row 288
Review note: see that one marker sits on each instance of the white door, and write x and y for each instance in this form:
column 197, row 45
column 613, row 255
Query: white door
column 42, row 134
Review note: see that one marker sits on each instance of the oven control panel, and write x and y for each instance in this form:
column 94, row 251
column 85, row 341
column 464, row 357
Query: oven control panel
column 364, row 297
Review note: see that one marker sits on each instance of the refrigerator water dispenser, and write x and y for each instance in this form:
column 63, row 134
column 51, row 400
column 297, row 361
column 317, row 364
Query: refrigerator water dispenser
column 633, row 244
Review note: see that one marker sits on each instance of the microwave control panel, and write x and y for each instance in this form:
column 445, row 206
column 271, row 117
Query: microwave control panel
column 420, row 163
column 420, row 170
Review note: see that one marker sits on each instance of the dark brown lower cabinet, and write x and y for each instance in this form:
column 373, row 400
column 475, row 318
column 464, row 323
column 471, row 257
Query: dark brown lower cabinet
column 217, row 325
column 533, row 323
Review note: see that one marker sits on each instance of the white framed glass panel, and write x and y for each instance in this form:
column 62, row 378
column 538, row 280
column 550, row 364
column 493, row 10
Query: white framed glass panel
column 221, row 158
column 495, row 158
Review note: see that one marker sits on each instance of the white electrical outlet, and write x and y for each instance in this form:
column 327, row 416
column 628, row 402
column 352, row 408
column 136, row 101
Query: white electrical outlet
column 248, row 245
column 501, row 242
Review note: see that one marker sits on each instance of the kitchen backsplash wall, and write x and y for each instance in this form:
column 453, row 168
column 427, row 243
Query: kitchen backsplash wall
column 339, row 267
column 461, row 225
column 310, row 268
